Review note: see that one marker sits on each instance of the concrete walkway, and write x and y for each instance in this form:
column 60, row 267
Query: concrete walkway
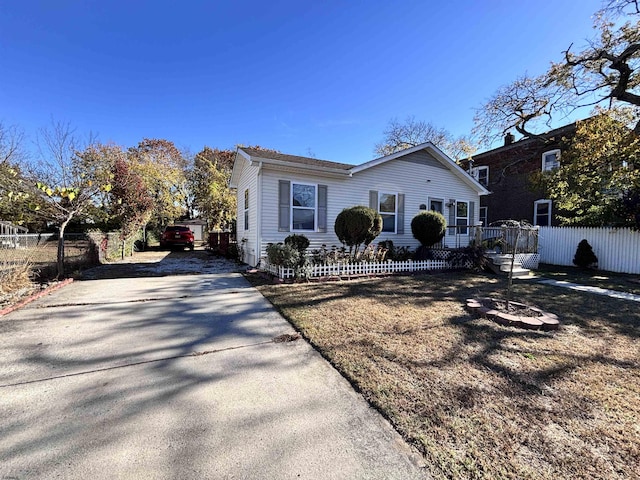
column 178, row 377
column 589, row 289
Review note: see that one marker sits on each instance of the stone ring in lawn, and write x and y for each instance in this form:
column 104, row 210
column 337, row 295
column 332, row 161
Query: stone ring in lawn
column 518, row 315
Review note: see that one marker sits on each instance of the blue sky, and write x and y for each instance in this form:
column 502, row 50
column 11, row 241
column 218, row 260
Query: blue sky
column 319, row 78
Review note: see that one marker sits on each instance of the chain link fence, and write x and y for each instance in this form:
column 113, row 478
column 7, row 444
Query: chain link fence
column 39, row 252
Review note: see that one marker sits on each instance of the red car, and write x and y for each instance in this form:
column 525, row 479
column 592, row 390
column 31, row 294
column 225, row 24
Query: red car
column 176, row 236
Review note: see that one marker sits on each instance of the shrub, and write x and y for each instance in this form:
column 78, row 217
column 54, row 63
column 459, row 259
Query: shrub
column 356, row 226
column 397, row 254
column 428, row 227
column 584, row 257
column 299, row 242
column 473, row 257
column 283, row 255
column 325, row 256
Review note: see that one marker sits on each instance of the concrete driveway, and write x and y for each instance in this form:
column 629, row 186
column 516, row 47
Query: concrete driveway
column 178, row 377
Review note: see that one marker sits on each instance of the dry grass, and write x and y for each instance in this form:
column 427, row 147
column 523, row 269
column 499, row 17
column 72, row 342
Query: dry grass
column 480, row 400
column 15, row 282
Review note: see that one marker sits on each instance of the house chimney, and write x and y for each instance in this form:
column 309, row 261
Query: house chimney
column 509, row 138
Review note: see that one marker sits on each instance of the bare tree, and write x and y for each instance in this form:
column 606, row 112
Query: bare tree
column 402, row 135
column 605, row 72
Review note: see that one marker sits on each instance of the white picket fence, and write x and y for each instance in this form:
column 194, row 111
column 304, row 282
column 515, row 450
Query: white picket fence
column 364, row 268
column 617, row 249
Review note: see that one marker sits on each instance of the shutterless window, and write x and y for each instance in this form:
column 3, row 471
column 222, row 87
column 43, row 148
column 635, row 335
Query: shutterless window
column 303, row 206
column 550, row 160
column 481, row 174
column 246, row 209
column 462, row 217
column 542, row 213
column 387, row 204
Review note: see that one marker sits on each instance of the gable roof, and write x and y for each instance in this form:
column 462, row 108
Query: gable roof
column 253, row 155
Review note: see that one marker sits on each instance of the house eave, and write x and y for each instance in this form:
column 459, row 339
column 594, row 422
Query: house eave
column 289, row 166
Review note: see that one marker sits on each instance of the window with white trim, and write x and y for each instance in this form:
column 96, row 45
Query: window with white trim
column 246, row 209
column 303, row 206
column 550, row 160
column 462, row 217
column 484, row 216
column 481, row 174
column 388, row 209
column 542, row 213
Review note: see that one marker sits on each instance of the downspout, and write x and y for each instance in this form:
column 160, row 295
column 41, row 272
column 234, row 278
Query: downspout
column 259, row 216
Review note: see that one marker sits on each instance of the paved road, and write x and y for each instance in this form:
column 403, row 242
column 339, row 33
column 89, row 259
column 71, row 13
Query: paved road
column 177, row 377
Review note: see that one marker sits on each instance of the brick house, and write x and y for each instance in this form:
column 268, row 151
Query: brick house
column 507, row 171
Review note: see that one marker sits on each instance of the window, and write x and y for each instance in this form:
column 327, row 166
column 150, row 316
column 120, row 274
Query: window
column 542, row 213
column 436, row 204
column 550, row 160
column 484, row 216
column 462, row 217
column 246, row 209
column 303, row 206
column 481, row 174
column 387, row 209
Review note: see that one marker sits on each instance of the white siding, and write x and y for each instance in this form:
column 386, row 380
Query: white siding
column 248, row 179
column 416, row 181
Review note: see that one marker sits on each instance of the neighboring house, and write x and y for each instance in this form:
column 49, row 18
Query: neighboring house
column 283, row 194
column 507, row 172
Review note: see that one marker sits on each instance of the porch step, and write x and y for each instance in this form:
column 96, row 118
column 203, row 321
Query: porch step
column 501, row 264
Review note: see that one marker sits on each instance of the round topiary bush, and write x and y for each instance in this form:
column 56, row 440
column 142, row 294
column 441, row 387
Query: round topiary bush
column 358, row 225
column 299, row 242
column 428, row 227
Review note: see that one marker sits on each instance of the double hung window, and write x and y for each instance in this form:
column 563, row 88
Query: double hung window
column 387, row 207
column 462, row 217
column 303, row 206
column 550, row 160
column 542, row 213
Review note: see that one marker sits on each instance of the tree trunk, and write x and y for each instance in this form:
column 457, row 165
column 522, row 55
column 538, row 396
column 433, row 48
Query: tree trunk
column 513, row 259
column 60, row 256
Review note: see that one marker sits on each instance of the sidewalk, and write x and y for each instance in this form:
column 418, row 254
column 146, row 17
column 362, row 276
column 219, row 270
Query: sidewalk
column 596, row 290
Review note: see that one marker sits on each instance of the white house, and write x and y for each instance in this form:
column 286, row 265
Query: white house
column 283, row 194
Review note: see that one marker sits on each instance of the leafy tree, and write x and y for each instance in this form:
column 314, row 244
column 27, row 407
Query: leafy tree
column 605, row 72
column 599, row 174
column 162, row 168
column 209, row 182
column 400, row 136
column 16, row 204
column 356, row 226
column 68, row 182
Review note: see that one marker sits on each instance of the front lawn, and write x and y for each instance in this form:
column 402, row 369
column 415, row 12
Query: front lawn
column 480, row 400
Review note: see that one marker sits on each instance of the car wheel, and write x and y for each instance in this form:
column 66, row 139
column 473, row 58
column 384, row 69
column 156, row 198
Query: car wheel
column 191, row 247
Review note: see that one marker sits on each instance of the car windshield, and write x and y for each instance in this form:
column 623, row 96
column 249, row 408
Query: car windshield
column 177, row 229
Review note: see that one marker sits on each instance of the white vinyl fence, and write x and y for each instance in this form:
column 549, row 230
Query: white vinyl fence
column 364, row 268
column 617, row 249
